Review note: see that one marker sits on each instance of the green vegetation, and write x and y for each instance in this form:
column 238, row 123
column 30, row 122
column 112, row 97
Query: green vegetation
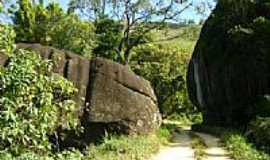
column 136, row 19
column 241, row 149
column 259, row 130
column 164, row 64
column 133, row 147
column 35, row 102
column 162, row 61
column 7, row 39
column 28, row 83
column 108, row 34
column 199, row 146
column 51, row 25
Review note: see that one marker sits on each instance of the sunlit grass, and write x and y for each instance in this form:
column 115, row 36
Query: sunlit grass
column 133, row 147
column 241, row 149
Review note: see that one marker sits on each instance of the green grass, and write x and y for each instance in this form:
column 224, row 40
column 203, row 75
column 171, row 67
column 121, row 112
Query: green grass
column 241, row 149
column 184, row 38
column 133, row 147
column 113, row 147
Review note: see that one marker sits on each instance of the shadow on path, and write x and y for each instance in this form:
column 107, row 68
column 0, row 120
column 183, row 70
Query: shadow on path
column 214, row 150
column 179, row 148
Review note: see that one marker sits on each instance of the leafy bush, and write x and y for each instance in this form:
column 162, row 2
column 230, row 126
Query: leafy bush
column 240, row 149
column 71, row 33
column 260, row 131
column 30, row 155
column 186, row 118
column 165, row 66
column 108, row 39
column 7, row 38
column 33, row 103
column 51, row 25
column 164, row 134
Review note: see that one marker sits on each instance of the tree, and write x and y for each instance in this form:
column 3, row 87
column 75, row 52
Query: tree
column 164, row 65
column 108, row 36
column 30, row 22
column 138, row 17
column 51, row 25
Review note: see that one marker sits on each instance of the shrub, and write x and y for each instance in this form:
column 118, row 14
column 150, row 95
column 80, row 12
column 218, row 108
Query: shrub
column 71, row 33
column 260, row 131
column 240, row 149
column 30, row 155
column 51, row 25
column 108, row 34
column 7, row 38
column 165, row 66
column 33, row 103
column 164, row 134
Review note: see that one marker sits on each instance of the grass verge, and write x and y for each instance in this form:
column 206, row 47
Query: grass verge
column 113, row 147
column 238, row 145
column 134, row 147
column 241, row 149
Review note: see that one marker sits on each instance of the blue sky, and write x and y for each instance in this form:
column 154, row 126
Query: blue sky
column 188, row 14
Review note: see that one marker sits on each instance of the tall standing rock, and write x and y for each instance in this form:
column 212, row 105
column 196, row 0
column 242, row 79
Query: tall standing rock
column 230, row 67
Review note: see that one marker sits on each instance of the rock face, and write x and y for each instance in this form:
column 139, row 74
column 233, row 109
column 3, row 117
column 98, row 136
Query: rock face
column 121, row 97
column 229, row 69
column 110, row 95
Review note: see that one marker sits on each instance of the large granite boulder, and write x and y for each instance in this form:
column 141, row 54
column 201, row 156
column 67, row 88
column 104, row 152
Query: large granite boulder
column 230, row 67
column 119, row 96
column 110, row 97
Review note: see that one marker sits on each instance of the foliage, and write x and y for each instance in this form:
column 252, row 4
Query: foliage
column 260, row 131
column 108, row 37
column 71, row 33
column 164, row 133
column 35, row 23
column 138, row 17
column 165, row 65
column 7, row 38
column 29, row 155
column 69, row 155
column 240, row 149
column 186, row 118
column 25, row 22
column 33, row 104
column 133, row 147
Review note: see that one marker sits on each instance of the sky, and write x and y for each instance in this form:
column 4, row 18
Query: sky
column 188, row 14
